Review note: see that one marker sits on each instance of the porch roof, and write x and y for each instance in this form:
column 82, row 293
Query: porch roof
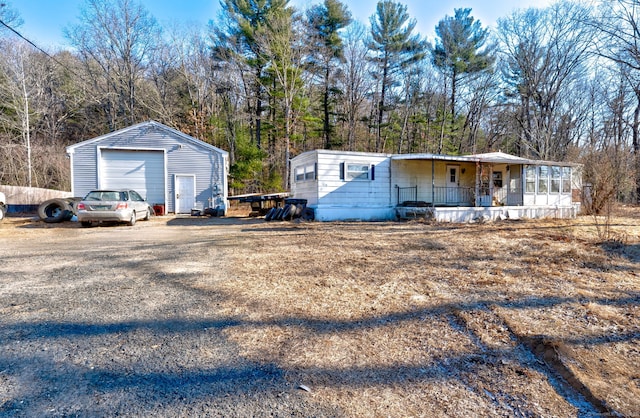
column 489, row 157
column 501, row 158
column 439, row 157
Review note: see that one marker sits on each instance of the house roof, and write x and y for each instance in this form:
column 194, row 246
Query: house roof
column 151, row 124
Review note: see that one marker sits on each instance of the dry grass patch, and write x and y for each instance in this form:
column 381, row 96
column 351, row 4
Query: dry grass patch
column 414, row 319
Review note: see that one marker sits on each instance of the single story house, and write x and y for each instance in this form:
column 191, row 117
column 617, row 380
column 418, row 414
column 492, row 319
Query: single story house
column 167, row 167
column 341, row 185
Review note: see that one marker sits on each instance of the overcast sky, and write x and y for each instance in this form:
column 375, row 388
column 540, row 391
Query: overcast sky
column 44, row 20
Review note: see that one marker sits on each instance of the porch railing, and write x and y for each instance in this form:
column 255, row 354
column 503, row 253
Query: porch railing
column 461, row 196
column 407, row 194
column 453, row 196
column 507, row 196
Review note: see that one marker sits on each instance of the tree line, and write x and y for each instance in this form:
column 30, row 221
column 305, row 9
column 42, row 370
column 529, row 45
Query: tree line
column 266, row 81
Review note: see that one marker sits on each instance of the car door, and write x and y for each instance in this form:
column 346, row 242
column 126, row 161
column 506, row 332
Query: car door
column 139, row 204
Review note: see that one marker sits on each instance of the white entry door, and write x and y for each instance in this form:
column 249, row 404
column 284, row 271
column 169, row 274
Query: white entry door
column 185, row 193
column 453, row 184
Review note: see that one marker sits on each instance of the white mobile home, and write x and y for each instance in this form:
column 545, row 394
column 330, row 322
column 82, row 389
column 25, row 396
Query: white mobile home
column 342, row 185
column 167, row 167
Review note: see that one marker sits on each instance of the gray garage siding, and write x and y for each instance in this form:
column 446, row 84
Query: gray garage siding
column 184, row 155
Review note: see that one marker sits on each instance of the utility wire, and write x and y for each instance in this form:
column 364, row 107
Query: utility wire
column 38, row 48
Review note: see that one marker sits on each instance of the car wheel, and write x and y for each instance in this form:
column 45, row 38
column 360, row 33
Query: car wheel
column 147, row 215
column 132, row 221
column 85, row 224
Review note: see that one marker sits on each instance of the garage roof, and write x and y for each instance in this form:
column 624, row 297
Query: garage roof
column 151, row 124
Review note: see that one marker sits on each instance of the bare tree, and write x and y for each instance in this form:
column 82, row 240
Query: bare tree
column 619, row 26
column 544, row 54
column 18, row 90
column 115, row 40
column 356, row 83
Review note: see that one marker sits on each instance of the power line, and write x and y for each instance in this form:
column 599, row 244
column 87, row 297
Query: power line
column 38, row 48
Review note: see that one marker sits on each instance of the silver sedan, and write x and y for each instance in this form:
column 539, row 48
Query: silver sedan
column 112, row 206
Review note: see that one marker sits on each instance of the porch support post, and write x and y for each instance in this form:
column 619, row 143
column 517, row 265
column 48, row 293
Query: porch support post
column 490, row 174
column 478, row 168
column 433, row 183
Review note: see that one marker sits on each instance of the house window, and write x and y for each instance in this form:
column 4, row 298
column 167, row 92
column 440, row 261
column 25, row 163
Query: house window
column 555, row 179
column 357, row 171
column 530, row 179
column 310, row 172
column 497, row 179
column 543, row 179
column 307, row 172
column 566, row 179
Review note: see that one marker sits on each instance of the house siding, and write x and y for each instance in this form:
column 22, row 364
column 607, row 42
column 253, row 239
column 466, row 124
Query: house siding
column 183, row 155
column 306, row 188
column 333, row 197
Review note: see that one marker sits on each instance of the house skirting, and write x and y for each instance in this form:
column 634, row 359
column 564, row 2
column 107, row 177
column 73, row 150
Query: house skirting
column 443, row 214
column 353, row 213
column 475, row 214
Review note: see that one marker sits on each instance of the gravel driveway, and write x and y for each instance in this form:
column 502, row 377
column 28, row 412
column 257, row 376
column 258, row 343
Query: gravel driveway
column 123, row 321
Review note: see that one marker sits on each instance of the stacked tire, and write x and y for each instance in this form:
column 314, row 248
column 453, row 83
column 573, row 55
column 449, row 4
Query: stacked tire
column 293, row 209
column 56, row 210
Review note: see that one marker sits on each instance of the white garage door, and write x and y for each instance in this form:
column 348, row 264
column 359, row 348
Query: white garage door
column 142, row 171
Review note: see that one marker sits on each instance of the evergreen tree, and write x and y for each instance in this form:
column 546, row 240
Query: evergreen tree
column 325, row 21
column 394, row 47
column 461, row 49
column 243, row 23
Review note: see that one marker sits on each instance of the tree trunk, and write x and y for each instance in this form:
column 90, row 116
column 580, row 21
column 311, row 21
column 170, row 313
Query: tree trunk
column 325, row 104
column 636, row 145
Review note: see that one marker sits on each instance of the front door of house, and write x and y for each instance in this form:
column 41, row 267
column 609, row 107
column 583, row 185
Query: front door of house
column 185, row 193
column 453, row 184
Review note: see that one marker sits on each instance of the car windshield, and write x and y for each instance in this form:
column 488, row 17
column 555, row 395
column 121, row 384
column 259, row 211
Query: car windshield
column 105, row 195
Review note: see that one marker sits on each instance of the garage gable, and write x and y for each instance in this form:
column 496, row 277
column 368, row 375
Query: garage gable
column 140, row 170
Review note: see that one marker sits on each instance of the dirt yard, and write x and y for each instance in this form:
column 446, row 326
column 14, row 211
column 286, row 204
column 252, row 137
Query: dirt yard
column 240, row 317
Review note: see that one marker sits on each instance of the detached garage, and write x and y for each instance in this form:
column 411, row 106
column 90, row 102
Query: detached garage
column 165, row 166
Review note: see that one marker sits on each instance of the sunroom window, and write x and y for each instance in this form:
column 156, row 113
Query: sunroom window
column 555, row 179
column 530, row 179
column 543, row 179
column 566, row 179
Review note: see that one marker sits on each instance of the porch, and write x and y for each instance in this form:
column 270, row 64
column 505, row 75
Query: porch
column 459, row 196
